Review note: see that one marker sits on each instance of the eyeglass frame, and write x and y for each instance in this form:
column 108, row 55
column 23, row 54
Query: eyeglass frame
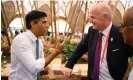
column 123, row 26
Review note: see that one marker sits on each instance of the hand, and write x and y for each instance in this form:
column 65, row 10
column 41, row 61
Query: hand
column 67, row 71
column 85, row 56
column 60, row 46
column 51, row 76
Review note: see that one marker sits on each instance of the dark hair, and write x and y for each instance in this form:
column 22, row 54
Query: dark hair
column 16, row 32
column 35, row 16
column 3, row 32
column 21, row 31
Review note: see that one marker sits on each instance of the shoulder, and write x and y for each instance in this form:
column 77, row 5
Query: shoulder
column 116, row 30
column 91, row 30
column 20, row 39
column 116, row 33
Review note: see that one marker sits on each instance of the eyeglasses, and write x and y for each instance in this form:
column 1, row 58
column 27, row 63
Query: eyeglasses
column 123, row 26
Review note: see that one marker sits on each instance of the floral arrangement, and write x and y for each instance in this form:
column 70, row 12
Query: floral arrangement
column 48, row 48
column 66, row 52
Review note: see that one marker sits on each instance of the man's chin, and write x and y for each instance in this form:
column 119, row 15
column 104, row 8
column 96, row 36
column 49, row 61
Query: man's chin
column 95, row 28
column 45, row 31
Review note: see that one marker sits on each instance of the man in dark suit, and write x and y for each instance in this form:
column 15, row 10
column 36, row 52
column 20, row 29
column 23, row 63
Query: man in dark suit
column 108, row 55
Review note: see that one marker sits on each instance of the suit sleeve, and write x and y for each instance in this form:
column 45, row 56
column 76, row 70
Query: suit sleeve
column 79, row 51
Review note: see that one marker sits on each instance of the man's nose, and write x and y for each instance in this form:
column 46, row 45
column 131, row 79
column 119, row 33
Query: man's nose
column 47, row 25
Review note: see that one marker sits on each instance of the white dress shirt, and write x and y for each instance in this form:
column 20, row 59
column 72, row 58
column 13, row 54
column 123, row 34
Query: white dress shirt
column 104, row 71
column 24, row 65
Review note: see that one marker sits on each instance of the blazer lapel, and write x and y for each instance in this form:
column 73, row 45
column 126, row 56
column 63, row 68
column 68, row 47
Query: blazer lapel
column 91, row 49
column 110, row 44
column 93, row 42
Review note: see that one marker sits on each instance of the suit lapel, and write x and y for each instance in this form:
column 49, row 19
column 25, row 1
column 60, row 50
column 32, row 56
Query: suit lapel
column 110, row 44
column 91, row 49
column 94, row 38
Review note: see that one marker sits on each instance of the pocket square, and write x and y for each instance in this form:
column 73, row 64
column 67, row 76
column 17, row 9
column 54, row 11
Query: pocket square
column 115, row 50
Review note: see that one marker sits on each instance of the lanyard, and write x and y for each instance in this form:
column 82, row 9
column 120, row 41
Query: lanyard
column 105, row 47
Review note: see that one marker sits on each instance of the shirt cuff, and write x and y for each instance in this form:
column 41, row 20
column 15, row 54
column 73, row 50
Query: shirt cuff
column 40, row 64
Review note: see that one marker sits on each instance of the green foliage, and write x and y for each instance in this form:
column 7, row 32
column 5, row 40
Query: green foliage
column 68, row 50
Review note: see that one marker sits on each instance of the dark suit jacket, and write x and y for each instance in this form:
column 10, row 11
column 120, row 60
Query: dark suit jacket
column 117, row 60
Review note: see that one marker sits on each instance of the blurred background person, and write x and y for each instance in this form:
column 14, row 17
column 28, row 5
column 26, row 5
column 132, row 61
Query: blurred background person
column 127, row 29
column 16, row 32
column 21, row 30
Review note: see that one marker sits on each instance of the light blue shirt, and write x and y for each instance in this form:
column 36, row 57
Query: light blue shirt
column 24, row 65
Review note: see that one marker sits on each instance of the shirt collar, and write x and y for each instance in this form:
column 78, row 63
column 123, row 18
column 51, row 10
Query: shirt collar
column 106, row 31
column 31, row 36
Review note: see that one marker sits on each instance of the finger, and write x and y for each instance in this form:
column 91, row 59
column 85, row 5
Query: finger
column 57, row 45
column 65, row 40
column 64, row 72
column 68, row 73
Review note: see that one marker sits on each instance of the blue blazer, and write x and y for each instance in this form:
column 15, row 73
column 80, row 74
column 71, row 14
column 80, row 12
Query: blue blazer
column 117, row 60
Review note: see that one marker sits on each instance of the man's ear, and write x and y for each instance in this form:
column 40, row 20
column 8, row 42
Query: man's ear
column 105, row 16
column 33, row 24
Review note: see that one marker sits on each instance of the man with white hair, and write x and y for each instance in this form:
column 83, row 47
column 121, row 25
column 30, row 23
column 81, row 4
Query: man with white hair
column 108, row 54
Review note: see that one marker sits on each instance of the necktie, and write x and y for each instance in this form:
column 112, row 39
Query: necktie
column 37, row 56
column 95, row 73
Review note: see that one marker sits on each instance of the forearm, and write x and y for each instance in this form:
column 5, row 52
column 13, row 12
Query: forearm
column 50, row 57
column 79, row 51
